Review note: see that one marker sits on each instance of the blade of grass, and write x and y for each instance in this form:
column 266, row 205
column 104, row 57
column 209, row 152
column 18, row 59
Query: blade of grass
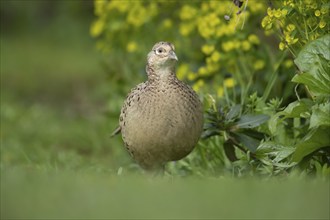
column 273, row 76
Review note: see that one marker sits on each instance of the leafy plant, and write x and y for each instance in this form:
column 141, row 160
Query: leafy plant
column 259, row 120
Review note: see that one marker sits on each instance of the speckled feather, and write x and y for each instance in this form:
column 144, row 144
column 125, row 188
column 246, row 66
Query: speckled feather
column 161, row 119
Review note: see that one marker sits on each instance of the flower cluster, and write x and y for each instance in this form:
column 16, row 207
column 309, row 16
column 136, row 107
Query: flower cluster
column 223, row 39
column 297, row 22
column 212, row 33
column 116, row 18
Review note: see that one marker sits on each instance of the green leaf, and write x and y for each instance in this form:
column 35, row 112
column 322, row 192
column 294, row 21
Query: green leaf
column 233, row 112
column 293, row 110
column 277, row 151
column 314, row 140
column 308, row 56
column 249, row 142
column 313, row 62
column 320, row 115
column 230, row 151
column 251, row 121
column 209, row 133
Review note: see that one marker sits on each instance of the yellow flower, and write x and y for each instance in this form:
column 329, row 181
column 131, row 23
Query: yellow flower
column 215, row 57
column 220, row 91
column 186, row 28
column 237, row 44
column 278, row 13
column 286, row 2
column 131, row 46
column 167, row 23
column 207, row 25
column 213, row 19
column 317, row 13
column 294, row 40
column 266, row 23
column 198, row 85
column 205, row 31
column 205, row 7
column 137, row 15
column 284, row 12
column 282, row 46
column 221, row 30
column 289, row 3
column 120, row 6
column 257, row 6
column 212, row 67
column 253, row 39
column 270, row 12
column 207, row 49
column 191, row 76
column 187, row 12
column 259, row 64
column 246, row 45
column 229, row 82
column 322, row 24
column 228, row 46
column 99, row 7
column 208, row 60
column 202, row 71
column 291, row 27
column 97, row 28
column 215, row 4
column 290, row 40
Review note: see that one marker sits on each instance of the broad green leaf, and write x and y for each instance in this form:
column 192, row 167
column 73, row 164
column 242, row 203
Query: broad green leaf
column 249, row 142
column 308, row 56
column 293, row 110
column 317, row 86
column 255, row 134
column 320, row 115
column 234, row 112
column 230, row 151
column 277, row 151
column 274, row 121
column 251, row 121
column 314, row 140
column 313, row 62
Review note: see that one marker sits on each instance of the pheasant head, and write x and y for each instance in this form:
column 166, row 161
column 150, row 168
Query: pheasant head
column 161, row 61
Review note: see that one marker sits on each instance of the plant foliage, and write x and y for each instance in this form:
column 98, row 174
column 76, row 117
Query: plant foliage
column 262, row 68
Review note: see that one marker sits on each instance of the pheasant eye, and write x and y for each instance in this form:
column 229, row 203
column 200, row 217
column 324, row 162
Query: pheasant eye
column 160, row 50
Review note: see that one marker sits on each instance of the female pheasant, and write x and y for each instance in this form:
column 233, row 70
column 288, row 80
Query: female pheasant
column 161, row 119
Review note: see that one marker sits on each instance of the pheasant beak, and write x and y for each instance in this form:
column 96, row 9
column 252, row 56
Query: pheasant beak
column 173, row 56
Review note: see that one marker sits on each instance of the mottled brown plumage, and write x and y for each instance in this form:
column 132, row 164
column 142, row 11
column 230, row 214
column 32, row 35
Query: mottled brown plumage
column 161, row 119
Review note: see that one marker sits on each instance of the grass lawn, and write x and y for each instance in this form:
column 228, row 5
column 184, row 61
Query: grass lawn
column 73, row 194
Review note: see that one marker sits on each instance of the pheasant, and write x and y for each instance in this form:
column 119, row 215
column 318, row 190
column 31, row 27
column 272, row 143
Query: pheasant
column 161, row 119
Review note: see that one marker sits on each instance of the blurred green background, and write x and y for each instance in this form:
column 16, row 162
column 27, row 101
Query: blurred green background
column 54, row 92
column 58, row 110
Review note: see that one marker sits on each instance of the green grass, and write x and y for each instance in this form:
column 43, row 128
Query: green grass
column 67, row 194
column 54, row 107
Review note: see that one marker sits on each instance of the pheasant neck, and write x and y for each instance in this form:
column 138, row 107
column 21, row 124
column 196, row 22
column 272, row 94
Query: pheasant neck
column 160, row 74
